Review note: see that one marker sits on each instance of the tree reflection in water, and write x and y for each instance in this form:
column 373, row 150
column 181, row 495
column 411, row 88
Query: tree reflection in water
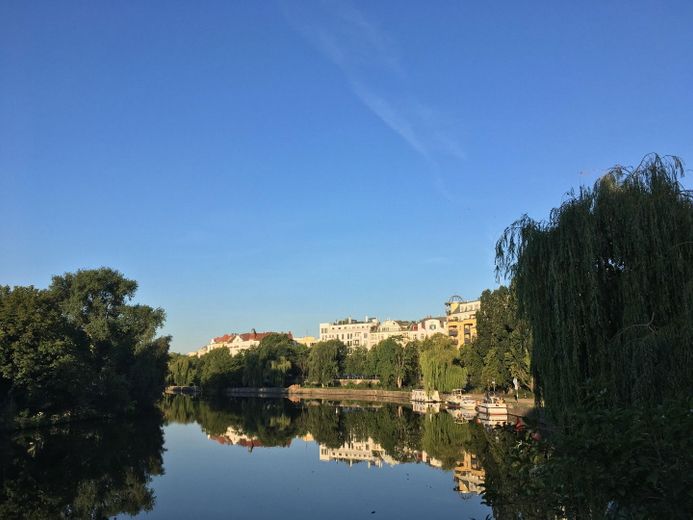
column 518, row 475
column 89, row 470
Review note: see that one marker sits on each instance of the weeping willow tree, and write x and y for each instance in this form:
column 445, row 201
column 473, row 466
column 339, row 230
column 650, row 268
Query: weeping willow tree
column 440, row 368
column 606, row 284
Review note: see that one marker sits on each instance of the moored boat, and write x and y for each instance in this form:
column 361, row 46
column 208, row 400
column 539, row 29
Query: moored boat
column 421, row 396
column 492, row 410
column 459, row 399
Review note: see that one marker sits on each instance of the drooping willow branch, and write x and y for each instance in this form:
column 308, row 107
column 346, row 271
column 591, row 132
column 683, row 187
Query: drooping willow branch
column 604, row 263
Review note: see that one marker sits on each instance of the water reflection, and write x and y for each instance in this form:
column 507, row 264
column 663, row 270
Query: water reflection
column 374, row 435
column 515, row 472
column 90, row 470
column 359, row 456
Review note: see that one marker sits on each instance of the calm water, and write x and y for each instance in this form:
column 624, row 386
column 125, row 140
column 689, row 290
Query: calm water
column 269, row 459
column 252, row 458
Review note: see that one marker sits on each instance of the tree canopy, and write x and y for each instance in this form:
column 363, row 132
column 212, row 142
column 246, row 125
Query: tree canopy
column 79, row 346
column 501, row 350
column 326, row 361
column 606, row 285
column 441, row 368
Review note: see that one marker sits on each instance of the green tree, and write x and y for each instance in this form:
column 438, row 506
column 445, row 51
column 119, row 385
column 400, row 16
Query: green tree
column 79, row 346
column 182, row 370
column 276, row 361
column 43, row 366
column 326, row 361
column 440, row 365
column 412, row 367
column 356, row 362
column 606, row 285
column 219, row 370
column 502, row 348
column 391, row 362
column 129, row 360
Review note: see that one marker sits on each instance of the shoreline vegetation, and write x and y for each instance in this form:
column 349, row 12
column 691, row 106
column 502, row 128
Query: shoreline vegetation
column 78, row 350
column 372, row 395
column 500, row 353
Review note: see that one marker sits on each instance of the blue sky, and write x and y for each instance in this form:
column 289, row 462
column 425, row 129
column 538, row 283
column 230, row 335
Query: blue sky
column 277, row 164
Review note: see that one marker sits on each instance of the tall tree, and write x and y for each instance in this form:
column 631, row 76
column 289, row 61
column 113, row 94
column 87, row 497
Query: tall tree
column 326, row 361
column 606, row 285
column 277, row 361
column 356, row 362
column 440, row 366
column 389, row 362
column 502, row 348
column 79, row 346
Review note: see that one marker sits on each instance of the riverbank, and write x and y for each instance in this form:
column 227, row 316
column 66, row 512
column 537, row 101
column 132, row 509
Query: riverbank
column 518, row 408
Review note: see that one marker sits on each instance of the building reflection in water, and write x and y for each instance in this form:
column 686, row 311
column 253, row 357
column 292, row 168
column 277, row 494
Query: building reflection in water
column 355, row 451
column 469, row 475
column 468, row 472
column 236, row 437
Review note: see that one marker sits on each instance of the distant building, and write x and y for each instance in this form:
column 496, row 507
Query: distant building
column 352, row 333
column 370, row 332
column 408, row 330
column 234, row 342
column 461, row 319
column 308, row 341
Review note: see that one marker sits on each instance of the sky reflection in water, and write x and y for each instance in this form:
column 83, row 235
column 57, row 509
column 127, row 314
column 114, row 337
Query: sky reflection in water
column 212, row 472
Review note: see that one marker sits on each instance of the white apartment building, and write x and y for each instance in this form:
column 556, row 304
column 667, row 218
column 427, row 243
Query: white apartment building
column 236, row 343
column 369, row 333
column 352, row 333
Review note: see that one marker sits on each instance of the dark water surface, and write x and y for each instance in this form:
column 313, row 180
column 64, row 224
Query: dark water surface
column 268, row 459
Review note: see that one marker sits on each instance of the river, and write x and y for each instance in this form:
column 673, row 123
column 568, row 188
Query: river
column 274, row 458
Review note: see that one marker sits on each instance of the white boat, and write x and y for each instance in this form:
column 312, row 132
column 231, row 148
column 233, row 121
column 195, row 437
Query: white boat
column 492, row 410
column 459, row 399
column 421, row 396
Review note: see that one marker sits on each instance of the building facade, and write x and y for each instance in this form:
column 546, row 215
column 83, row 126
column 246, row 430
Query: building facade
column 370, row 332
column 236, row 343
column 352, row 333
column 308, row 341
column 408, row 330
column 461, row 319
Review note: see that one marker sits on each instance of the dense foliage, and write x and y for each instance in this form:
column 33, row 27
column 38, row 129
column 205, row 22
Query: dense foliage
column 441, row 365
column 78, row 347
column 326, row 361
column 502, row 348
column 278, row 361
column 606, row 285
